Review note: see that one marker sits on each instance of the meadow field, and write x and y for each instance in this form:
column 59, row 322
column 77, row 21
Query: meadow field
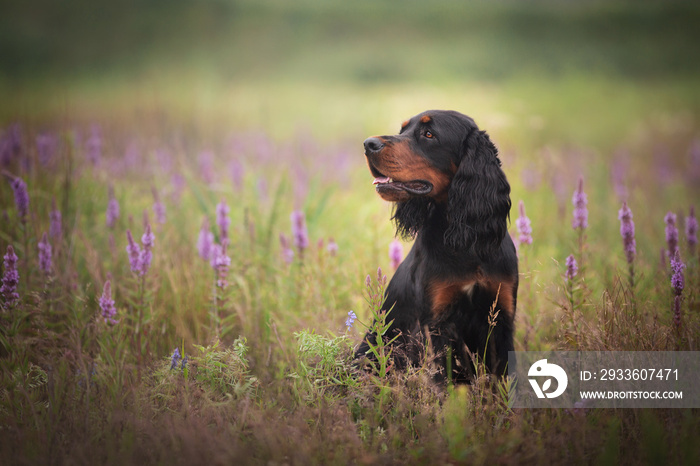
column 187, row 222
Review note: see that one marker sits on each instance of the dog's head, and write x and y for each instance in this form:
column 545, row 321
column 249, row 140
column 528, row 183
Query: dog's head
column 440, row 158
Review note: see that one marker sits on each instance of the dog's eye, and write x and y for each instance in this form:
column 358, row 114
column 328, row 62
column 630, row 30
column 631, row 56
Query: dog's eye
column 428, row 135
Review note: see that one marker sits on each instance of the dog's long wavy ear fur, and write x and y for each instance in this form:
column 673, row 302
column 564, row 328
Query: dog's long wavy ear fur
column 479, row 199
column 409, row 216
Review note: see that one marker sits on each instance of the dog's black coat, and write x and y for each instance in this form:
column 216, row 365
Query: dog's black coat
column 445, row 177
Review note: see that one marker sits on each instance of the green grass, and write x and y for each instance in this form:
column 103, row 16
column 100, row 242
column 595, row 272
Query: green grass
column 563, row 89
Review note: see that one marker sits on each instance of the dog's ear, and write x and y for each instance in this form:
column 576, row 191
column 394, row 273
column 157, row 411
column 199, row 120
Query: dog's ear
column 478, row 199
column 409, row 216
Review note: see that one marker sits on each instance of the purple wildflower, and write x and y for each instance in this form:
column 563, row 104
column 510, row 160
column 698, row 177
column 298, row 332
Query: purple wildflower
column 94, row 146
column 299, row 231
column 179, row 183
column 175, row 358
column 332, row 247
column 158, row 208
column 44, row 254
column 46, row 148
column 671, row 234
column 571, row 268
column 677, row 279
column 523, row 224
column 221, row 264
column 368, row 281
column 678, row 283
column 236, row 170
column 205, row 242
column 134, row 252
column 627, row 232
column 691, row 230
column 10, row 278
column 146, row 253
column 287, row 252
column 396, row 253
column 580, row 210
column 677, row 311
column 206, row 166
column 381, row 278
column 21, row 198
column 112, row 209
column 11, row 144
column 55, row 230
column 215, row 251
column 109, row 311
column 350, row 320
column 222, row 219
column 159, row 211
column 184, row 363
column 301, row 185
column 5, row 152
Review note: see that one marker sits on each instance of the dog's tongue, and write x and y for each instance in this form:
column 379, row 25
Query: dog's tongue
column 381, row 180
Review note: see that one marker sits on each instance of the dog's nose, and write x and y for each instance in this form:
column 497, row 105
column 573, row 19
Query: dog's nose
column 373, row 145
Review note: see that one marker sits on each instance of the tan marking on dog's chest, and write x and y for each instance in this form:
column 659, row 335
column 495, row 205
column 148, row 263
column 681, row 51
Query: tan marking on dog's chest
column 504, row 290
column 444, row 293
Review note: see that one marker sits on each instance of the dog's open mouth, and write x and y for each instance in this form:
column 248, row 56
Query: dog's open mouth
column 385, row 185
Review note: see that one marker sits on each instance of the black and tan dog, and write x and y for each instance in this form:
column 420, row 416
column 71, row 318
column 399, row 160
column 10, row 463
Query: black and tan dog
column 445, row 177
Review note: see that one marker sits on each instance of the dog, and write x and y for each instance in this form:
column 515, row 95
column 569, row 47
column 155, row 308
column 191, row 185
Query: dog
column 459, row 282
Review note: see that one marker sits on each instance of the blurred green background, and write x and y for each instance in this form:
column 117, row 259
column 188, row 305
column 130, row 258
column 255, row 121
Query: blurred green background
column 532, row 72
column 358, row 42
